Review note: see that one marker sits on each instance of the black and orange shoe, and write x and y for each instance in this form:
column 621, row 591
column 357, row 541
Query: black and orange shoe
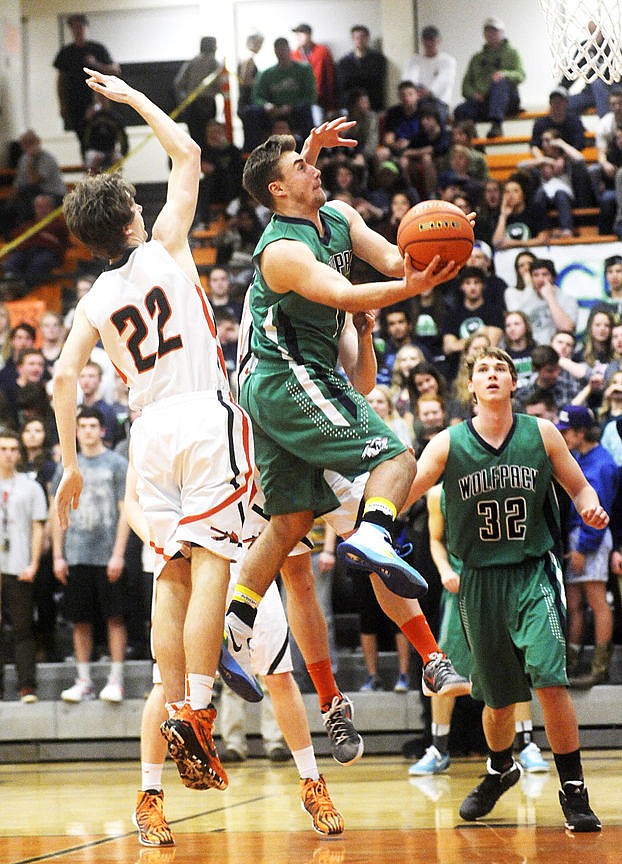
column 190, row 743
column 149, row 818
column 315, row 799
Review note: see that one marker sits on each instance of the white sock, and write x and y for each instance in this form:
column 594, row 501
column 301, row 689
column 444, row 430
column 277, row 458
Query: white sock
column 173, row 707
column 116, row 673
column 84, row 672
column 151, row 776
column 200, row 689
column 305, row 763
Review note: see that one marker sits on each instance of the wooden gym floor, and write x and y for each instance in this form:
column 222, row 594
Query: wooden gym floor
column 74, row 813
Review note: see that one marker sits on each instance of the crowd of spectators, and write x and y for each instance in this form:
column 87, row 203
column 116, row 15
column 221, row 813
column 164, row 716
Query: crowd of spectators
column 410, row 147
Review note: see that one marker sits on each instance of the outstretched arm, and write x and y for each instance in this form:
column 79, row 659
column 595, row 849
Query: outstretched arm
column 175, row 220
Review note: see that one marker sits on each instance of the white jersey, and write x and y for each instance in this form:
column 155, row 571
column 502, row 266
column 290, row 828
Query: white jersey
column 156, row 326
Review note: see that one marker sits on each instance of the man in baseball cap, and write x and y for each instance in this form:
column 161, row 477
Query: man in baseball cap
column 575, row 417
column 490, row 84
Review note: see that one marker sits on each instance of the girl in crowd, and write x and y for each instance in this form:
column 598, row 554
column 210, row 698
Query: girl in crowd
column 515, row 296
column 595, row 356
column 406, row 359
column 520, row 218
column 425, row 378
column 518, row 341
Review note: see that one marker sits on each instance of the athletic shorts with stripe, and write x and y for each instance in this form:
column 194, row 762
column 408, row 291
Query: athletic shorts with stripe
column 193, row 456
column 451, row 638
column 304, row 421
column 514, row 620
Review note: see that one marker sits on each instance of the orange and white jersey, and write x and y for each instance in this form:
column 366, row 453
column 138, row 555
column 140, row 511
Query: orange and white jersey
column 156, row 326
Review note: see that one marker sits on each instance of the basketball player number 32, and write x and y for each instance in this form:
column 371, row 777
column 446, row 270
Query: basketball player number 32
column 514, row 517
column 154, row 300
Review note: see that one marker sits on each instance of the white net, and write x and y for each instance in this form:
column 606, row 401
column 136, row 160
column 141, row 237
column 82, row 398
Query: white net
column 585, row 38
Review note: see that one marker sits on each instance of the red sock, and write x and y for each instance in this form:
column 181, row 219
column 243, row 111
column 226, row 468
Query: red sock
column 321, row 674
column 418, row 633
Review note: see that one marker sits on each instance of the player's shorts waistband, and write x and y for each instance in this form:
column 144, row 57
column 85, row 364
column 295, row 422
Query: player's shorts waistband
column 511, row 569
column 182, row 398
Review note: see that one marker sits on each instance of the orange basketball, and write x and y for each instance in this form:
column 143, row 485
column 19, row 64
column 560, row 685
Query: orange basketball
column 435, row 228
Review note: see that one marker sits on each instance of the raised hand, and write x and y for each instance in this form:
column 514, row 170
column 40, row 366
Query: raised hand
column 109, row 86
column 330, row 132
column 327, row 135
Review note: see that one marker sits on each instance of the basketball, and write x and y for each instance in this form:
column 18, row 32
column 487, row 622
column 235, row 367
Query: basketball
column 435, row 228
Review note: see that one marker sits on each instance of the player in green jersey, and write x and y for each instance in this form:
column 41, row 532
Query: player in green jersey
column 305, row 416
column 502, row 522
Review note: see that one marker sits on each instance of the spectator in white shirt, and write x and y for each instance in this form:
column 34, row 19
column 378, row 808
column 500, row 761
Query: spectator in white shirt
column 433, row 71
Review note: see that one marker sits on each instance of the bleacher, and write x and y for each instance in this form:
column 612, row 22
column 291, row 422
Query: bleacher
column 503, row 156
column 52, row 730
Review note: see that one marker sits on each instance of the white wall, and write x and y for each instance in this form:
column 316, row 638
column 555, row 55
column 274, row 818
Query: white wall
column 461, row 26
column 135, row 30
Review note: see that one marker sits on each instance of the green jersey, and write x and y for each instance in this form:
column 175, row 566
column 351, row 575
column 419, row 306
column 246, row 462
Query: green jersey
column 500, row 503
column 288, row 328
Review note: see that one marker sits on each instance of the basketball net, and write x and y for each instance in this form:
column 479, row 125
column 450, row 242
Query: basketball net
column 585, row 38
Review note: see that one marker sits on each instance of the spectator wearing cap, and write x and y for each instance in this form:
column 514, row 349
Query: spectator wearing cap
column 364, row 68
column 482, row 256
column 321, row 61
column 74, row 97
column 567, row 124
column 433, row 70
column 587, row 559
column 494, row 286
column 490, row 84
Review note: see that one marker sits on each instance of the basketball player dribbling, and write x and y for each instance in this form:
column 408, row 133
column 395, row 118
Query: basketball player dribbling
column 191, row 446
